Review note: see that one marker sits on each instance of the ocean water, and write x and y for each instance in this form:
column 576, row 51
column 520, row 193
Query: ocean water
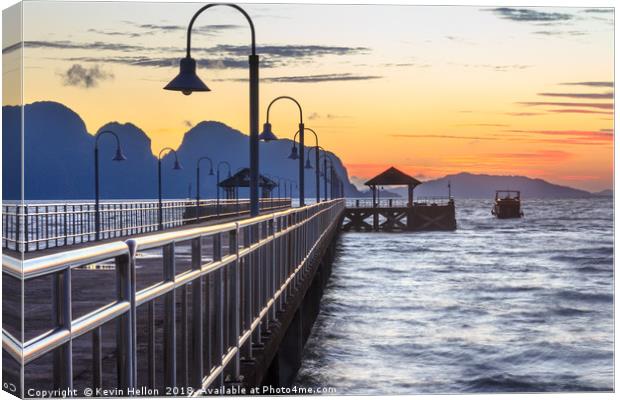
column 521, row 305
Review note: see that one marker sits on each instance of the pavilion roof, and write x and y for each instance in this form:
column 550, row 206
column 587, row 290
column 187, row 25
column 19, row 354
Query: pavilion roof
column 393, row 177
column 242, row 179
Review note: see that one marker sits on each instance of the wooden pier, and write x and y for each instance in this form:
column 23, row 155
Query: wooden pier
column 396, row 215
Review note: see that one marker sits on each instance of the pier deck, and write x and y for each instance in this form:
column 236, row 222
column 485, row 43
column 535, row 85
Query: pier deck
column 395, row 215
column 225, row 304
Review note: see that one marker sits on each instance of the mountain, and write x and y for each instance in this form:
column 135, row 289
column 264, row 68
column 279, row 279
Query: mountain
column 604, row 193
column 467, row 185
column 59, row 160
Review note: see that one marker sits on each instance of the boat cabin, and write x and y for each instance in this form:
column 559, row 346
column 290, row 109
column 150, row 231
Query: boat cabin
column 507, row 204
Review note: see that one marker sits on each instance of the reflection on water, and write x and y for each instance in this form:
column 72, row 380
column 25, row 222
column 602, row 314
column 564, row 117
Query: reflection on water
column 497, row 306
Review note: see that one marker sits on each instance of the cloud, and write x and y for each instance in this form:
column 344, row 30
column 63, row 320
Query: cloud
column 529, row 15
column 523, row 114
column 320, row 78
column 542, row 155
column 599, row 10
column 600, row 135
column 604, row 106
column 204, row 29
column 140, row 61
column 592, row 84
column 292, row 51
column 597, row 96
column 310, row 78
column 405, row 136
column 314, row 116
column 559, row 33
column 496, row 67
column 578, row 111
column 188, row 123
column 115, row 33
column 482, row 124
column 80, row 76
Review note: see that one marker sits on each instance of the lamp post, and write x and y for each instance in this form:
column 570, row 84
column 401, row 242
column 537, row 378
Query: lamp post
column 188, row 82
column 177, row 166
column 331, row 166
column 294, row 156
column 317, row 173
column 198, row 183
column 267, row 135
column 217, row 184
column 118, row 157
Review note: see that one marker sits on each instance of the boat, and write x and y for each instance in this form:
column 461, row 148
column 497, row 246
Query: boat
column 507, row 204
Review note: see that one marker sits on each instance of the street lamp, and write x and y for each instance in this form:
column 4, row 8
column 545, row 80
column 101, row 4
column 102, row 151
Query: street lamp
column 188, row 82
column 294, row 156
column 267, row 135
column 198, row 183
column 177, row 166
column 217, row 185
column 118, row 157
column 326, row 158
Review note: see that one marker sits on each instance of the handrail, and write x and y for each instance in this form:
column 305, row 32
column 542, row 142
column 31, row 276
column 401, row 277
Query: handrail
column 297, row 233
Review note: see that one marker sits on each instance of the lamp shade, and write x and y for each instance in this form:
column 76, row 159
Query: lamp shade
column 308, row 165
column 187, row 81
column 177, row 165
column 119, row 155
column 294, row 155
column 267, row 135
column 211, row 172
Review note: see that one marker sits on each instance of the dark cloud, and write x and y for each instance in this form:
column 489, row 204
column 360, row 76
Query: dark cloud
column 578, row 111
column 599, row 10
column 597, row 96
column 597, row 136
column 138, row 61
column 68, row 45
column 483, row 124
column 530, row 15
column 604, row 106
column 188, row 123
column 403, row 136
column 312, row 78
column 523, row 114
column 592, row 83
column 560, row 33
column 293, row 51
column 115, row 33
column 204, row 29
column 83, row 77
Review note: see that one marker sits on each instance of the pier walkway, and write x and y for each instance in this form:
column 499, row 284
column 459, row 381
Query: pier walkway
column 172, row 312
column 36, row 226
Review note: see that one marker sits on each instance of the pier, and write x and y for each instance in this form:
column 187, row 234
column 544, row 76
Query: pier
column 227, row 304
column 396, row 215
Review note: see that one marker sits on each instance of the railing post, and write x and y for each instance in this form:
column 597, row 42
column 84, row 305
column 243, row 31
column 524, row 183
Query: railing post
column 197, row 321
column 236, row 296
column 170, row 359
column 61, row 308
column 124, row 328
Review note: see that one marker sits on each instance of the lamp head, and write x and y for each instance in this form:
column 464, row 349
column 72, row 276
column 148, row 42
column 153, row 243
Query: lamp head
column 211, row 172
column 308, row 165
column 267, row 135
column 177, row 165
column 119, row 155
column 187, row 81
column 294, row 155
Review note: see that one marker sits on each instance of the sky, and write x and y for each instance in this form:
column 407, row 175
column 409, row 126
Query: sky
column 431, row 90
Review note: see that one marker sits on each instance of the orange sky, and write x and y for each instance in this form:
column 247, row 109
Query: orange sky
column 430, row 90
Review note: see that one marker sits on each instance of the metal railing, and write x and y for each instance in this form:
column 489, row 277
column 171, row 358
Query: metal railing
column 31, row 227
column 398, row 202
column 235, row 294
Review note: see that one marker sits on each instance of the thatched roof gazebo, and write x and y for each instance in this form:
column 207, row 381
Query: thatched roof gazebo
column 242, row 179
column 393, row 177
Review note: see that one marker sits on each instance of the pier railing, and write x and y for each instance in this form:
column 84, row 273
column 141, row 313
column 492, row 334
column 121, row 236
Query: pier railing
column 37, row 226
column 397, row 202
column 241, row 274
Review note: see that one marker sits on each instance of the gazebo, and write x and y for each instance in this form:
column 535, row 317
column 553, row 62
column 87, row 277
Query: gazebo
column 393, row 177
column 242, row 179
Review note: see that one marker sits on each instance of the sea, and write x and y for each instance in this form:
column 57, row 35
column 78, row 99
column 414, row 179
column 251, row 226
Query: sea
column 520, row 305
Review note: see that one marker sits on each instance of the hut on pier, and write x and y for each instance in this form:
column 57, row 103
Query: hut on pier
column 242, row 179
column 393, row 177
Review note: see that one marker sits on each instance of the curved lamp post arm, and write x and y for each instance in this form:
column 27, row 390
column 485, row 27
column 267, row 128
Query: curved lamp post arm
column 100, row 133
column 301, row 115
column 316, row 137
column 170, row 150
column 205, row 158
column 204, row 8
column 225, row 163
